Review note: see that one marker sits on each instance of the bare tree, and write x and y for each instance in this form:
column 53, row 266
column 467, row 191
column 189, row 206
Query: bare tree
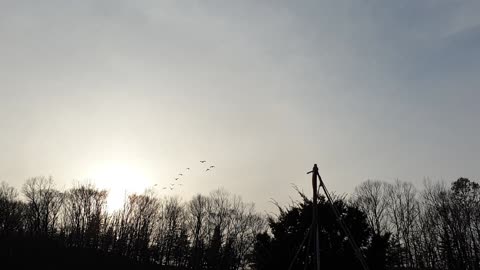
column 371, row 197
column 11, row 210
column 219, row 212
column 403, row 212
column 144, row 214
column 245, row 225
column 197, row 217
column 431, row 226
column 170, row 233
column 43, row 205
column 84, row 215
column 132, row 228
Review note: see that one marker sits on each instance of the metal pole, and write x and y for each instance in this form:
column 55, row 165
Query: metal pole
column 315, row 218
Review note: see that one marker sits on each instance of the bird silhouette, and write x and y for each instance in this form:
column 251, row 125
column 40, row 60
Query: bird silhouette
column 176, row 178
column 171, row 188
column 180, row 174
column 188, row 168
column 212, row 166
column 203, row 161
column 208, row 170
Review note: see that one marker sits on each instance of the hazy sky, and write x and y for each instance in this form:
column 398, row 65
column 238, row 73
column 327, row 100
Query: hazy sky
column 262, row 89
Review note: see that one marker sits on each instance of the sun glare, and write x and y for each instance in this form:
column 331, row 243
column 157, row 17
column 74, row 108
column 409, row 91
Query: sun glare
column 120, row 179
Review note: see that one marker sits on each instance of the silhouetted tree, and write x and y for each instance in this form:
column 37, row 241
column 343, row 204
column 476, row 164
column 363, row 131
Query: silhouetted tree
column 84, row 215
column 291, row 226
column 43, row 205
column 404, row 211
column 197, row 219
column 371, row 198
column 213, row 254
column 11, row 211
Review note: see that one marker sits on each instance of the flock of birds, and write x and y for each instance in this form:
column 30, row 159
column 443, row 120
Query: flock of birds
column 172, row 185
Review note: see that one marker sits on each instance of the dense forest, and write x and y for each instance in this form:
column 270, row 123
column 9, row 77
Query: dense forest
column 395, row 225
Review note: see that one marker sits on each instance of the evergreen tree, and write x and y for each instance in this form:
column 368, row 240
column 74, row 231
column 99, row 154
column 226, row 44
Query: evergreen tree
column 276, row 251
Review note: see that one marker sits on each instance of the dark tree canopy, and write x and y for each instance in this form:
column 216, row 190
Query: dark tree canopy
column 277, row 248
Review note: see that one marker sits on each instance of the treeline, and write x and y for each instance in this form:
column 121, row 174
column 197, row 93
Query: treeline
column 437, row 227
column 395, row 225
column 208, row 232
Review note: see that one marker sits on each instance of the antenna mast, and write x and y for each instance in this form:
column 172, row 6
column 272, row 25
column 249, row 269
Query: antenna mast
column 314, row 232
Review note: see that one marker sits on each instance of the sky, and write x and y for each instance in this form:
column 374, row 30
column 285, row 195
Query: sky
column 127, row 94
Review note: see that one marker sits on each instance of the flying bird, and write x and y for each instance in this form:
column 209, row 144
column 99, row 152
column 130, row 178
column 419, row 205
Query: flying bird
column 203, row 161
column 180, row 174
column 188, row 168
column 208, row 169
column 171, row 188
column 176, row 178
column 212, row 166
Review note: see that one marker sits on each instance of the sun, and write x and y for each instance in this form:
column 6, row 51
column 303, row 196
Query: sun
column 120, row 179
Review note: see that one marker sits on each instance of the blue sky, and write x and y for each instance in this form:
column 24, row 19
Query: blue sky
column 366, row 89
